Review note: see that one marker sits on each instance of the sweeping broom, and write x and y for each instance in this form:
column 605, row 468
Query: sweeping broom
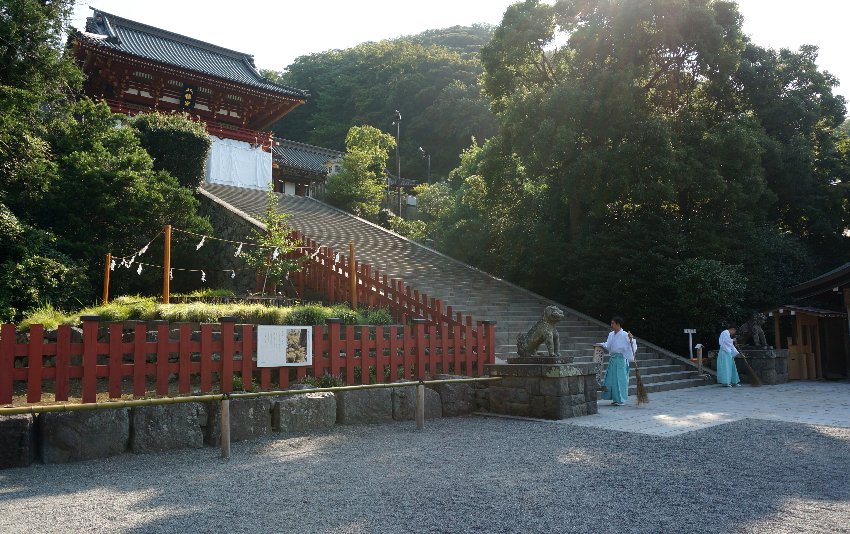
column 642, row 395
column 755, row 381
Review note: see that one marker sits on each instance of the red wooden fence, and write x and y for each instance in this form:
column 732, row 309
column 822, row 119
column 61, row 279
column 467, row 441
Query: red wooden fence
column 328, row 273
column 119, row 363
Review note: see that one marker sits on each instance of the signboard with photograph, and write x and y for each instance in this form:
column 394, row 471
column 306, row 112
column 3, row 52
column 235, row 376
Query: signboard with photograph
column 279, row 346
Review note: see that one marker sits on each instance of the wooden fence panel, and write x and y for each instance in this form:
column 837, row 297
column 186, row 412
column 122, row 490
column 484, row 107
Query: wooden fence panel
column 441, row 340
column 115, row 359
column 62, row 385
column 350, row 360
column 247, row 357
column 162, row 353
column 226, row 359
column 35, row 363
column 140, row 360
column 206, row 357
column 184, row 360
column 7, row 362
column 89, row 385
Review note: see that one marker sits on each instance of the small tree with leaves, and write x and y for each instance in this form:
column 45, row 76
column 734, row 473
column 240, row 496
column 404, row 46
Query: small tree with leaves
column 359, row 185
column 274, row 259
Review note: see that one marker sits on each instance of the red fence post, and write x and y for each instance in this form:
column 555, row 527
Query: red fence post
column 63, row 362
column 468, row 341
column 490, row 340
column 162, row 339
column 116, row 358
column 140, row 360
column 350, row 349
column 7, row 362
column 365, row 357
column 379, row 354
column 226, row 376
column 333, row 344
column 184, row 360
column 206, row 357
column 394, row 353
column 248, row 356
column 90, row 326
column 419, row 347
column 36, row 363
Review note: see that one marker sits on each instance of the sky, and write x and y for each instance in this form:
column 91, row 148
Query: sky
column 275, row 32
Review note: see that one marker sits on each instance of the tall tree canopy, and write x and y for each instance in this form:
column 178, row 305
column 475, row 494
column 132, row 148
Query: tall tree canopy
column 651, row 160
column 72, row 185
column 432, row 78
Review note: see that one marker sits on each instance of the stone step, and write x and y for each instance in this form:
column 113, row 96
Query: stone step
column 467, row 290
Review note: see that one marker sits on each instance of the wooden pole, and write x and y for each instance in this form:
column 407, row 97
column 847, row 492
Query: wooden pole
column 225, row 428
column 106, row 278
column 353, row 265
column 420, row 406
column 166, row 266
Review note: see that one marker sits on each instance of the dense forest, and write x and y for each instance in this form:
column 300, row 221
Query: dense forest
column 629, row 156
column 431, row 78
column 72, row 185
column 650, row 160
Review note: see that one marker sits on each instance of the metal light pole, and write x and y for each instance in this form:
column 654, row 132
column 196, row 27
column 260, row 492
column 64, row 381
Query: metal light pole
column 426, row 156
column 397, row 123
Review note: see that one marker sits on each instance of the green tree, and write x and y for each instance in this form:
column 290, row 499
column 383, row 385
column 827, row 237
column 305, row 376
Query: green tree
column 176, row 143
column 359, row 185
column 274, row 259
column 432, row 78
column 35, row 77
column 648, row 149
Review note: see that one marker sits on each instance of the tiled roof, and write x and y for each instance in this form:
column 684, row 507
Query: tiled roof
column 810, row 310
column 825, row 282
column 303, row 156
column 113, row 32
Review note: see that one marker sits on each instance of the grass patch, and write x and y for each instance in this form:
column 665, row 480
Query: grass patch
column 136, row 308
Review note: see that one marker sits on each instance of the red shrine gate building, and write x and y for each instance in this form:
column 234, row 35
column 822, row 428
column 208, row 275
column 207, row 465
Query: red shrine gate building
column 136, row 68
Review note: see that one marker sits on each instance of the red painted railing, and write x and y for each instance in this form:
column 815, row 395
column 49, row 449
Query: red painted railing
column 121, row 361
column 216, row 128
column 438, row 341
column 329, row 274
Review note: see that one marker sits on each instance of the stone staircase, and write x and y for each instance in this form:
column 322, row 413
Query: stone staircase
column 466, row 289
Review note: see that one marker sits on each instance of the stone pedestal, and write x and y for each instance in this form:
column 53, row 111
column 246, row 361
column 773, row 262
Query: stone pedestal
column 543, row 390
column 770, row 365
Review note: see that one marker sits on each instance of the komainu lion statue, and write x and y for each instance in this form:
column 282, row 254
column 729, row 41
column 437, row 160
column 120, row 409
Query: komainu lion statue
column 751, row 333
column 542, row 332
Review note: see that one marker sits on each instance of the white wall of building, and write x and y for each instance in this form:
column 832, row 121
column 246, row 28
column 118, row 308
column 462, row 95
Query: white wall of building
column 238, row 163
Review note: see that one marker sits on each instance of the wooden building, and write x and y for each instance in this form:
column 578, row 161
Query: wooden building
column 815, row 329
column 301, row 169
column 135, row 67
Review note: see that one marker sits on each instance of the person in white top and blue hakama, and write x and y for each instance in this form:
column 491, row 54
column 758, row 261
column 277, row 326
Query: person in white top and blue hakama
column 727, row 372
column 621, row 347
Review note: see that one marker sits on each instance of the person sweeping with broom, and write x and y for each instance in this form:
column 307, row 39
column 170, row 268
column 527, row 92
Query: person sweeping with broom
column 727, row 373
column 622, row 347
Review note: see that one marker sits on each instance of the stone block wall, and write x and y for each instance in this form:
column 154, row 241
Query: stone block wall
column 17, row 440
column 74, row 436
column 226, row 225
column 543, row 391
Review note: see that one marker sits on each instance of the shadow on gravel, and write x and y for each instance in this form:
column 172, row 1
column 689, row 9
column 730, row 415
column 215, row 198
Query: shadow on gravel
column 459, row 475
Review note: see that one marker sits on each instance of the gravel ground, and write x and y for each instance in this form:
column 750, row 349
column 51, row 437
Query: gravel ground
column 459, row 475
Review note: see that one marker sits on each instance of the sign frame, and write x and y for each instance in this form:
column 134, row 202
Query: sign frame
column 273, row 346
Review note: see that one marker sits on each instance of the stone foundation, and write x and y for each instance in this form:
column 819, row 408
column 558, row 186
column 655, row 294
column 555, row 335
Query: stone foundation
column 771, row 365
column 547, row 391
column 85, row 435
column 17, row 440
